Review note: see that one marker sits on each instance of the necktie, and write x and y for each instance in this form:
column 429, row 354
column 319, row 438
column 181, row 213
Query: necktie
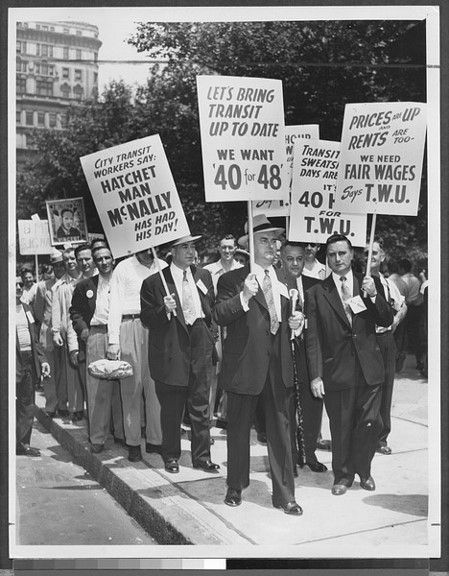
column 346, row 295
column 268, row 292
column 188, row 306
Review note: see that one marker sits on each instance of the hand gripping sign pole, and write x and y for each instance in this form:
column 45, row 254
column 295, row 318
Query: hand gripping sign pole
column 159, row 269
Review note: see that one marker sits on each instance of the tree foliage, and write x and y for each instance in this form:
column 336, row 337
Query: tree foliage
column 323, row 66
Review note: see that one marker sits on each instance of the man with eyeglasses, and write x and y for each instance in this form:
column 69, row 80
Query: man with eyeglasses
column 313, row 267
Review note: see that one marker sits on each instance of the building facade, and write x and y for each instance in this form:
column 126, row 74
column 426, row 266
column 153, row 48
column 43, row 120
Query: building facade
column 56, row 65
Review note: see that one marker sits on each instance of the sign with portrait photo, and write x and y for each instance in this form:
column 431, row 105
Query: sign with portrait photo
column 67, row 221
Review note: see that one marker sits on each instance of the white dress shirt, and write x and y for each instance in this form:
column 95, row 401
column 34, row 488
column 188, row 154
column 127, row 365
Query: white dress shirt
column 178, row 275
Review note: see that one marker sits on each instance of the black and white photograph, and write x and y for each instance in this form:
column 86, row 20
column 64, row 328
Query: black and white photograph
column 241, row 360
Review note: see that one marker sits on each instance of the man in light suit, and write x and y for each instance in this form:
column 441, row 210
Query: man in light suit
column 181, row 342
column 257, row 362
column 345, row 362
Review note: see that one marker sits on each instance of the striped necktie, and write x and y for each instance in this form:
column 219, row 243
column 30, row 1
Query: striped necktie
column 268, row 292
column 346, row 295
column 188, row 306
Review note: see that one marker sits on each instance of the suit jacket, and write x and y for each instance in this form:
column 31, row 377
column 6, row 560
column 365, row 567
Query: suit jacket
column 36, row 349
column 169, row 348
column 82, row 309
column 247, row 347
column 333, row 345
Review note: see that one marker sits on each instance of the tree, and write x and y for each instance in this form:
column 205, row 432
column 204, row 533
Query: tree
column 323, row 66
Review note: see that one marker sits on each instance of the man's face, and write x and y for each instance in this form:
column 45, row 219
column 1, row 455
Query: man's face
column 103, row 260
column 293, row 260
column 145, row 257
column 58, row 269
column 85, row 261
column 67, row 220
column 227, row 249
column 19, row 287
column 69, row 261
column 377, row 257
column 183, row 255
column 265, row 248
column 28, row 280
column 311, row 250
column 339, row 257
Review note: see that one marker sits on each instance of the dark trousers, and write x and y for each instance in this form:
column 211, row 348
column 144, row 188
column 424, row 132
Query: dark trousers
column 277, row 400
column 25, row 393
column 194, row 397
column 387, row 347
column 355, row 424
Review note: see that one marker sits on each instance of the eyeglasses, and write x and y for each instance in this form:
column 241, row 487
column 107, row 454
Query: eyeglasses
column 311, row 244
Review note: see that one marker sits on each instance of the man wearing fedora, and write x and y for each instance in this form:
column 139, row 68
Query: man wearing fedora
column 181, row 341
column 254, row 307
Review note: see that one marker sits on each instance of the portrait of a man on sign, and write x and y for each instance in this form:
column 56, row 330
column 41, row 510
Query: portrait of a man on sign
column 67, row 221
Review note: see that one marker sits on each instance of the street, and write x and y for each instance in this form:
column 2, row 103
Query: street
column 59, row 503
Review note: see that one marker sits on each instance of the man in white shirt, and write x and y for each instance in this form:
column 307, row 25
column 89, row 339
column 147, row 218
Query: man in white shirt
column 226, row 263
column 386, row 341
column 89, row 314
column 128, row 340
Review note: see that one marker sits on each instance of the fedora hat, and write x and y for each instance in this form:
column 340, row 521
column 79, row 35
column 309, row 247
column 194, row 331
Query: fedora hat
column 55, row 257
column 260, row 224
column 184, row 240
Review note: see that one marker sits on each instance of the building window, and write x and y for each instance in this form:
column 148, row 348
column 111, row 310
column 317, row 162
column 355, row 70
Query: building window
column 66, row 73
column 78, row 92
column 45, row 28
column 78, row 75
column 79, row 33
column 78, row 55
column 65, row 90
column 52, row 28
column 41, row 118
column 21, row 65
column 18, row 117
column 21, row 85
column 21, row 47
column 44, row 88
column 66, row 30
column 29, row 118
column 65, row 53
column 63, row 120
column 52, row 119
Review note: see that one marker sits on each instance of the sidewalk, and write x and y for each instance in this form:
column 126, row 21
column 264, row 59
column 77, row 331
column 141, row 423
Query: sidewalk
column 188, row 508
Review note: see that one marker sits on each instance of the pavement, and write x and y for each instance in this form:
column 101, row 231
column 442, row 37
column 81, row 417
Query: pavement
column 188, row 508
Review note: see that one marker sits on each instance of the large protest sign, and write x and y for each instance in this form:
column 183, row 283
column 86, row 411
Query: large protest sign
column 34, row 237
column 313, row 216
column 242, row 138
column 292, row 133
column 381, row 158
column 135, row 195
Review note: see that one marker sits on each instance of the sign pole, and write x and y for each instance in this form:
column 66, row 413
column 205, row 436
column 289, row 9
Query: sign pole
column 36, row 269
column 159, row 269
column 250, row 236
column 371, row 242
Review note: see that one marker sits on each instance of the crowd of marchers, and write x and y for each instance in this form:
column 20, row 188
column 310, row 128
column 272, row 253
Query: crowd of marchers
column 246, row 341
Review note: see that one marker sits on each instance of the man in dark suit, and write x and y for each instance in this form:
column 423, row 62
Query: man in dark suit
column 257, row 362
column 30, row 364
column 293, row 257
column 89, row 313
column 345, row 362
column 181, row 342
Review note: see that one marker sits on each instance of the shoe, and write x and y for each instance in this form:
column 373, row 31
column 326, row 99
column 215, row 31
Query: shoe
column 63, row 413
column 207, row 466
column 77, row 416
column 316, row 466
column 153, row 448
column 339, row 489
column 368, row 483
column 26, row 450
column 262, row 437
column 384, row 450
column 134, row 454
column 172, row 466
column 51, row 415
column 233, row 497
column 221, row 424
column 291, row 508
column 97, row 448
column 324, row 445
